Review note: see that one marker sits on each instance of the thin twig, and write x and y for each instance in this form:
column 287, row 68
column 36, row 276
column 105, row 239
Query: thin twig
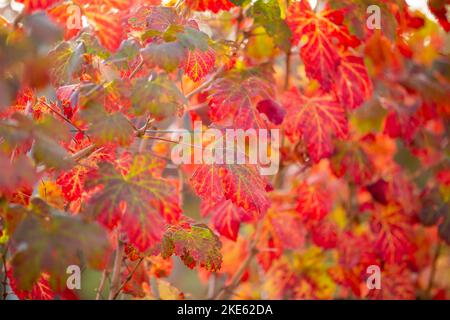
column 63, row 117
column 116, row 270
column 5, row 275
column 196, row 107
column 433, row 269
column 138, row 67
column 127, row 279
column 101, row 285
column 141, row 131
column 227, row 290
column 83, row 153
column 287, row 74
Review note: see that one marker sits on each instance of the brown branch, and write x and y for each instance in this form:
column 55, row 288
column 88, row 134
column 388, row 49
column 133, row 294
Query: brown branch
column 224, row 293
column 127, row 279
column 63, row 117
column 83, row 153
column 5, row 275
column 196, row 107
column 160, row 139
column 227, row 290
column 287, row 74
column 115, row 280
column 141, row 131
column 93, row 90
column 433, row 269
column 101, row 284
column 136, row 70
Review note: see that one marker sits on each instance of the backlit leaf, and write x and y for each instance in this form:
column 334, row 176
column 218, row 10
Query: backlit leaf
column 353, row 84
column 211, row 5
column 138, row 201
column 198, row 64
column 236, row 96
column 319, row 54
column 392, row 232
column 317, row 120
column 195, row 245
column 51, row 245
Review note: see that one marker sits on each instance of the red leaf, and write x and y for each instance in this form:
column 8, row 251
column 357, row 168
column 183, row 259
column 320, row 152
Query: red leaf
column 274, row 112
column 107, row 25
column 398, row 283
column 16, row 174
column 32, row 5
column 198, row 63
column 226, row 217
column 141, row 202
column 392, row 231
column 241, row 184
column 41, row 290
column 212, row 5
column 352, row 162
column 353, row 85
column 235, row 98
column 401, row 126
column 355, row 255
column 282, row 229
column 325, row 234
column 312, row 203
column 319, row 54
column 61, row 14
column 317, row 120
column 439, row 9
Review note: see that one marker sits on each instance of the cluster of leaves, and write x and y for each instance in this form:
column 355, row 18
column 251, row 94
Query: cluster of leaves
column 90, row 91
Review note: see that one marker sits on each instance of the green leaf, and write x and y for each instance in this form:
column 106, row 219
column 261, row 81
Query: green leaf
column 406, row 158
column 192, row 39
column 52, row 243
column 128, row 51
column 239, row 2
column 167, row 56
column 45, row 136
column 66, row 61
column 356, row 15
column 107, row 127
column 267, row 13
column 160, row 97
column 194, row 245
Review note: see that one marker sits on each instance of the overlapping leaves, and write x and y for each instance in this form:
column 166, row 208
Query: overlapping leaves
column 137, row 201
